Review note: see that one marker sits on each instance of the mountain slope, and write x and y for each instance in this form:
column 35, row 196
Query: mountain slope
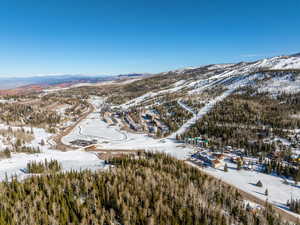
column 155, row 189
column 192, row 81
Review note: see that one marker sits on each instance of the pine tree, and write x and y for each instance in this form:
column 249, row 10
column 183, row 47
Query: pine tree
column 239, row 165
column 225, row 168
column 259, row 184
column 297, row 177
column 266, row 192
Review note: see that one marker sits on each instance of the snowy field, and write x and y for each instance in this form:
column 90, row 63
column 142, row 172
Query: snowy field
column 70, row 160
column 94, row 128
column 112, row 137
column 279, row 193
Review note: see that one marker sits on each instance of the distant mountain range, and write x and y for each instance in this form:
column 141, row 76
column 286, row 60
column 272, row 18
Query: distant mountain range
column 49, row 80
column 296, row 55
column 41, row 82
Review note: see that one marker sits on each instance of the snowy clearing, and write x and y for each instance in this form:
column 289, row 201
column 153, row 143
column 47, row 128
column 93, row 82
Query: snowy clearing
column 70, row 160
column 279, row 192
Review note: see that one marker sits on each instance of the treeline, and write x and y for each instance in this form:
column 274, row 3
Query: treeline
column 154, row 189
column 172, row 115
column 139, row 87
column 282, row 169
column 43, row 167
column 23, row 114
column 246, row 120
column 26, row 149
column 258, row 109
column 239, row 137
column 6, row 153
column 294, row 205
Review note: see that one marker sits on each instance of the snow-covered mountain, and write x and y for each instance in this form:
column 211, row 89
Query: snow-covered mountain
column 296, row 55
column 274, row 63
column 275, row 75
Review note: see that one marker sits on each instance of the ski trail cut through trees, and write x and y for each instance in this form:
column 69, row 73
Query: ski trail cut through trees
column 203, row 111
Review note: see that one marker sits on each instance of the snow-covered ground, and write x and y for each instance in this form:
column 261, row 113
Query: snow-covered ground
column 62, row 109
column 283, row 84
column 70, row 160
column 203, row 111
column 229, row 75
column 187, row 108
column 281, row 62
column 253, row 205
column 94, row 128
column 112, row 137
column 279, row 193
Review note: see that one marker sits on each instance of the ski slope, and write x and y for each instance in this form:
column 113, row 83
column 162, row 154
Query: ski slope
column 203, row 111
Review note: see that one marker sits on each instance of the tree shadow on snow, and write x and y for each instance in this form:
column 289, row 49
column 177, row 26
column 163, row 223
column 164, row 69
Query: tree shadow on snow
column 282, row 206
column 259, row 193
column 253, row 184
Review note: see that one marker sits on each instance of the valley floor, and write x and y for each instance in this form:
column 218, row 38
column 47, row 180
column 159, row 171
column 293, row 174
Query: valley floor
column 114, row 137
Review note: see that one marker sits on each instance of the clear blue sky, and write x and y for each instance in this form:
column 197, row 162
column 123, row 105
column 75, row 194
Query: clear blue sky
column 99, row 37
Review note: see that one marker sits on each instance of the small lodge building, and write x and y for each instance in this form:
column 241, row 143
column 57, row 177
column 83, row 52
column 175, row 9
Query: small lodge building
column 198, row 141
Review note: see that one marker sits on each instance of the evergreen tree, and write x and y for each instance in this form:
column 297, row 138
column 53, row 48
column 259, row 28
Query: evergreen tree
column 259, row 184
column 239, row 165
column 266, row 192
column 225, row 168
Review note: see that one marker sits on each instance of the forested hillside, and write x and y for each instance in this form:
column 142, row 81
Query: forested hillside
column 154, row 189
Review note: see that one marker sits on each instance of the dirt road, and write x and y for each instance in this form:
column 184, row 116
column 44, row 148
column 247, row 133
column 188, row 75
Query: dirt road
column 58, row 138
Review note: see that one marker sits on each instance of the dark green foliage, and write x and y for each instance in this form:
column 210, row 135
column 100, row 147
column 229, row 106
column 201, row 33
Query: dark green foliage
column 155, row 189
column 294, row 205
column 282, row 169
column 245, row 120
column 26, row 149
column 43, row 167
column 239, row 165
column 226, row 168
column 266, row 192
column 172, row 115
column 5, row 154
column 259, row 184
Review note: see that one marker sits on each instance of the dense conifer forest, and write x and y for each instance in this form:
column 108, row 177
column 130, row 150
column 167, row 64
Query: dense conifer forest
column 154, row 189
column 244, row 119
